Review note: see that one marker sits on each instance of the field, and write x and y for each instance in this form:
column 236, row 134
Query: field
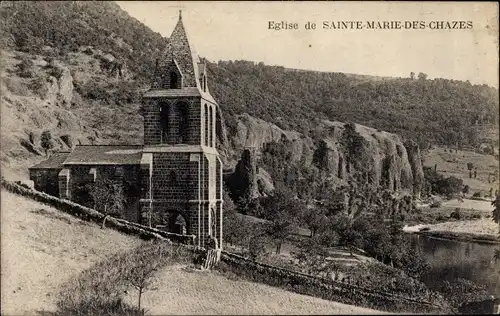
column 474, row 220
column 451, row 163
column 43, row 248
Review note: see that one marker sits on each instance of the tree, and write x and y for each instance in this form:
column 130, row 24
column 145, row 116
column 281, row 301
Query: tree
column 412, row 75
column 314, row 218
column 46, row 141
column 313, row 256
column 496, row 210
column 422, row 76
column 107, row 196
column 141, row 276
column 282, row 210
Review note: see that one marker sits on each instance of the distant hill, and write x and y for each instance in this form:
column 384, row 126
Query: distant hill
column 436, row 111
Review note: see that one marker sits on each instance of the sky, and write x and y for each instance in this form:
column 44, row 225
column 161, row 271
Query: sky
column 240, row 31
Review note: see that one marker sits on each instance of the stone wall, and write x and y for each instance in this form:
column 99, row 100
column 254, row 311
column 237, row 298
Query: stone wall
column 89, row 214
column 175, row 177
column 326, row 289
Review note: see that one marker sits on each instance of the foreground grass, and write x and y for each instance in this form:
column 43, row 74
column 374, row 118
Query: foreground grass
column 42, row 248
column 177, row 287
column 182, row 290
column 100, row 289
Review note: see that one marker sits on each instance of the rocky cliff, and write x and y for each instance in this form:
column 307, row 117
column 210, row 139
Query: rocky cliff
column 383, row 160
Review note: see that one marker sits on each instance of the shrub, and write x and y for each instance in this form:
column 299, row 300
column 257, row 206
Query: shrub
column 456, row 214
column 435, row 204
column 477, row 194
column 26, row 68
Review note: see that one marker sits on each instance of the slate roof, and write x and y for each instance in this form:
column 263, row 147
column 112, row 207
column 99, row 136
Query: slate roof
column 180, row 48
column 186, row 92
column 105, row 155
column 55, row 161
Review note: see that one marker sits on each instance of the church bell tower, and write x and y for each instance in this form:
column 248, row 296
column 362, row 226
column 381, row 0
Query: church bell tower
column 180, row 166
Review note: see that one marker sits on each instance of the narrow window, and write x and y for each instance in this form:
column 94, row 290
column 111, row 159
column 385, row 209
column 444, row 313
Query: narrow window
column 172, row 177
column 174, row 81
column 183, row 122
column 206, row 125
column 210, row 128
column 164, row 114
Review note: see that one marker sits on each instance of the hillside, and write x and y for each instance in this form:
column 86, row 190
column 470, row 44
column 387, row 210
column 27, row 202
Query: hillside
column 42, row 248
column 78, row 69
column 213, row 294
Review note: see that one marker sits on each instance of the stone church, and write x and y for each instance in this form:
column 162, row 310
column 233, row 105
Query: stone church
column 174, row 180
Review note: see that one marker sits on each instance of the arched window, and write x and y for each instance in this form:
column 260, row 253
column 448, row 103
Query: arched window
column 206, row 125
column 210, row 128
column 183, row 122
column 164, row 114
column 174, row 81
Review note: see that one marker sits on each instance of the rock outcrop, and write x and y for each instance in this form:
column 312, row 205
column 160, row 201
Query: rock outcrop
column 58, row 89
column 382, row 159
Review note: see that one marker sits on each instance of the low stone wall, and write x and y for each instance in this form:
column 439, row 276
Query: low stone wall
column 89, row 214
column 322, row 288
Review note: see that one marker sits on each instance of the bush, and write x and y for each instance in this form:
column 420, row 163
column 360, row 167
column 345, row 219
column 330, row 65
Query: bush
column 456, row 214
column 435, row 204
column 477, row 194
column 26, row 68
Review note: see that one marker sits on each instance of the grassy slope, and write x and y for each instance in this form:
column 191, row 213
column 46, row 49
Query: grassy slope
column 201, row 292
column 43, row 249
column 455, row 164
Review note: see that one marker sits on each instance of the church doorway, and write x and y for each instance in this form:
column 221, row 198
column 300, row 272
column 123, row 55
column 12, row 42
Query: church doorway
column 178, row 224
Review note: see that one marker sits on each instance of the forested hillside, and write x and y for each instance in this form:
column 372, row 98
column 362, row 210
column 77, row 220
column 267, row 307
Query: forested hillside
column 428, row 111
column 65, row 26
column 435, row 111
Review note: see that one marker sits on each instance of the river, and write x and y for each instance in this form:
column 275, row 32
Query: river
column 450, row 260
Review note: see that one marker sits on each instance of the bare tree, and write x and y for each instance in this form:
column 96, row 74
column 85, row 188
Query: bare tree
column 142, row 274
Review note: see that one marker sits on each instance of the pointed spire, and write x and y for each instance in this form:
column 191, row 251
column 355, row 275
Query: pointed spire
column 180, row 15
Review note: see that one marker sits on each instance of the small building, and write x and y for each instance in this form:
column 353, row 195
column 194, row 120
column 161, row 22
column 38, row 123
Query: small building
column 45, row 175
column 172, row 181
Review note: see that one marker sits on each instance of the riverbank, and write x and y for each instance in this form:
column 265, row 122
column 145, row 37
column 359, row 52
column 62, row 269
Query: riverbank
column 483, row 230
